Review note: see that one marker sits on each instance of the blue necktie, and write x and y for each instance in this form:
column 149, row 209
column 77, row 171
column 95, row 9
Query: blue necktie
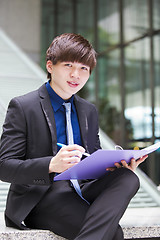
column 70, row 140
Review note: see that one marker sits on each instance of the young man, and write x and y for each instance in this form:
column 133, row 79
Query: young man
column 29, row 158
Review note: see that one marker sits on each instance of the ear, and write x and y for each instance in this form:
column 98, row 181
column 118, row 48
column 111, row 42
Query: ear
column 49, row 66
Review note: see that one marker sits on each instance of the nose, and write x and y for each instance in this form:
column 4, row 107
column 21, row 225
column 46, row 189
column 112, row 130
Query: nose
column 75, row 73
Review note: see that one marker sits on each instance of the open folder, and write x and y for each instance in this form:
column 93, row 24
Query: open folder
column 95, row 165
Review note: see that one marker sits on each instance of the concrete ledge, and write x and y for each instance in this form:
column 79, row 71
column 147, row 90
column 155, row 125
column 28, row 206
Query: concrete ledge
column 29, row 235
column 129, row 233
column 141, row 232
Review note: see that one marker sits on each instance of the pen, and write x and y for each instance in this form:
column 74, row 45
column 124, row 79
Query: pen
column 62, row 145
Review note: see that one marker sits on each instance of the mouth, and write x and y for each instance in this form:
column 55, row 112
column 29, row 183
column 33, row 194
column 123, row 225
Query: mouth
column 72, row 84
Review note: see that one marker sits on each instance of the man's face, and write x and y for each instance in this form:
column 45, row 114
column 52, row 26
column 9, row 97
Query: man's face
column 67, row 78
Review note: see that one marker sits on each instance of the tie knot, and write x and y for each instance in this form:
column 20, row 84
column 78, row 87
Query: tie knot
column 67, row 106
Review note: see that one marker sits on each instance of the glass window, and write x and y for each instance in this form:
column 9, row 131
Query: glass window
column 47, row 30
column 85, row 19
column 65, row 16
column 137, row 86
column 136, row 21
column 108, row 24
column 156, row 14
column 157, row 84
column 109, row 94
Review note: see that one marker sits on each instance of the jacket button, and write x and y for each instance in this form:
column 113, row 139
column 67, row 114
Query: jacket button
column 39, row 181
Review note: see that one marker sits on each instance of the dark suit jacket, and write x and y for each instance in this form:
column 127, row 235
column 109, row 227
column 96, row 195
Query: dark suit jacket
column 28, row 143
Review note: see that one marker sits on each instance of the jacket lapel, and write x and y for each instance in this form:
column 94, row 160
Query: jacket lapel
column 83, row 121
column 48, row 112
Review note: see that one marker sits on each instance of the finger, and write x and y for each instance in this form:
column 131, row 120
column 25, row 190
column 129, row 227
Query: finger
column 75, row 153
column 67, row 166
column 74, row 147
column 133, row 164
column 70, row 154
column 142, row 159
column 118, row 165
column 110, row 169
column 71, row 160
column 65, row 153
column 124, row 164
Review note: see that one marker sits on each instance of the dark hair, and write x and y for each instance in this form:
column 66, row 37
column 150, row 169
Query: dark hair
column 73, row 48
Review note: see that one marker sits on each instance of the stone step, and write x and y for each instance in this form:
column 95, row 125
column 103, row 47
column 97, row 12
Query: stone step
column 152, row 232
column 141, row 205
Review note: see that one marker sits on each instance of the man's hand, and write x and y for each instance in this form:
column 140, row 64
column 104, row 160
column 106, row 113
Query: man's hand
column 67, row 157
column 132, row 165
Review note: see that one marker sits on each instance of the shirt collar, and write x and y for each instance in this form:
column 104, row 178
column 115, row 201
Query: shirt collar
column 56, row 100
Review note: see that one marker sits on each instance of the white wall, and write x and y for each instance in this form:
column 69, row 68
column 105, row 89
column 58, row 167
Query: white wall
column 21, row 20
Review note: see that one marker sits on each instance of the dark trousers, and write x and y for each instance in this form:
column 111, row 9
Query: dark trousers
column 62, row 211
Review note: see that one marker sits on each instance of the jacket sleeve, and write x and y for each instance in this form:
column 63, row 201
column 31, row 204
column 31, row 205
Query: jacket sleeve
column 14, row 167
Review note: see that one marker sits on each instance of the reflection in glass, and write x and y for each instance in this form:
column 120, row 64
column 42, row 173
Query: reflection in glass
column 157, row 84
column 85, row 19
column 109, row 95
column 108, row 24
column 156, row 12
column 136, row 20
column 137, row 86
column 64, row 17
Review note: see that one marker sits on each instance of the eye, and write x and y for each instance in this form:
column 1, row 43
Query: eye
column 68, row 64
column 85, row 68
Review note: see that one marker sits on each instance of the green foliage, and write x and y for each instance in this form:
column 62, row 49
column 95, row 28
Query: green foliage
column 110, row 118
